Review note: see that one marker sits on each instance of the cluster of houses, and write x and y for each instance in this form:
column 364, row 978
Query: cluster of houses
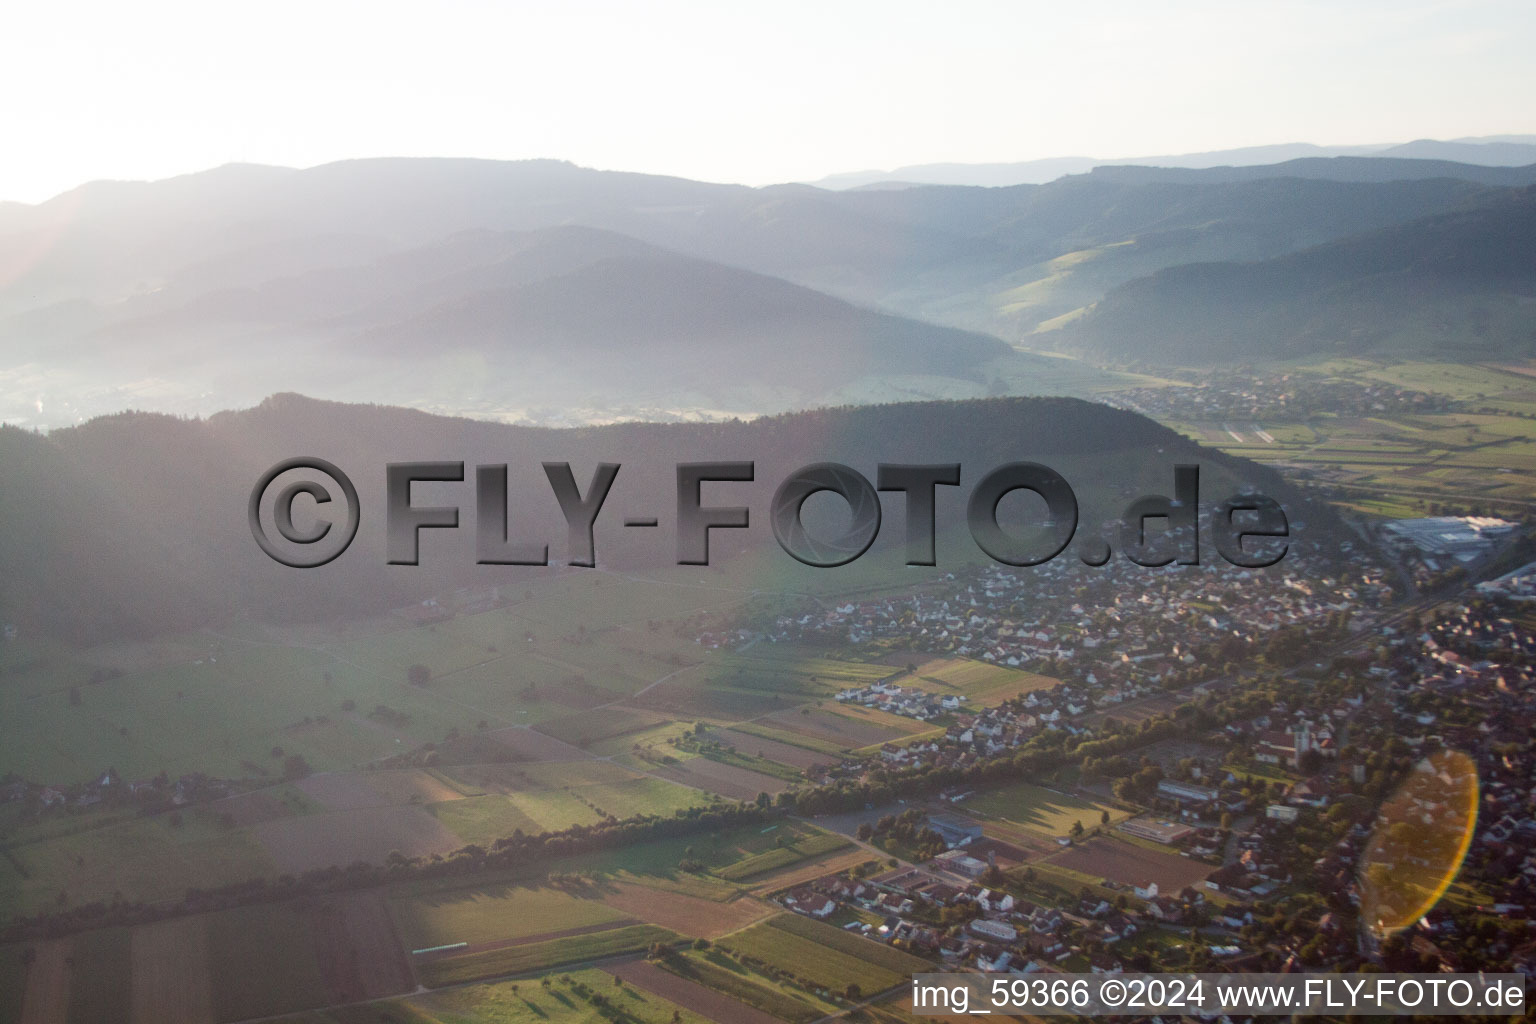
column 109, row 786
column 1467, row 682
column 1000, row 932
column 991, row 730
column 911, row 702
column 1242, row 398
column 1121, row 621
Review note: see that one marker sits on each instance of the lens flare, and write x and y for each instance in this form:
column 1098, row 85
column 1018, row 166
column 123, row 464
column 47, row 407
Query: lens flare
column 1420, row 838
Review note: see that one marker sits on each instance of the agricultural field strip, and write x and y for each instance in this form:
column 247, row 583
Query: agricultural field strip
column 783, row 856
column 537, row 956
column 878, row 953
column 806, row 958
column 749, row 987
column 527, row 940
column 691, row 995
column 481, row 916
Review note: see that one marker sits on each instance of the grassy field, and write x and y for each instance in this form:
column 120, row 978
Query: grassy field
column 484, row 819
column 483, row 915
column 787, row 670
column 810, row 961
column 770, row 860
column 197, row 715
column 183, row 703
column 146, row 858
column 547, row 797
column 853, row 945
column 980, row 683
column 533, row 956
column 1264, row 772
column 224, row 703
column 654, row 865
column 1041, row 810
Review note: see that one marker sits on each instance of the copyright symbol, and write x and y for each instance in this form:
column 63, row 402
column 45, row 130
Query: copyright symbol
column 863, row 504
column 1112, row 992
column 282, row 513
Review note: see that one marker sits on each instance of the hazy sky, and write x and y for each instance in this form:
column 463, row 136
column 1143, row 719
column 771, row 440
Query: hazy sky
column 733, row 91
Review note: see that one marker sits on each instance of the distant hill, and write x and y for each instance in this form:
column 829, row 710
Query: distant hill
column 499, row 320
column 1499, row 151
column 648, row 318
column 134, row 524
column 1337, row 168
column 542, row 291
column 548, row 298
column 1462, row 282
column 1076, row 239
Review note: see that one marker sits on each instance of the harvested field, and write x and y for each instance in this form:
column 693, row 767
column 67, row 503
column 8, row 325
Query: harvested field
column 1127, row 864
column 342, row 791
column 1017, row 837
column 349, row 791
column 251, row 808
column 726, row 779
column 524, row 744
column 171, row 974
column 526, row 940
column 532, row 956
column 499, row 779
column 1135, row 713
column 773, row 750
column 690, row 995
column 342, row 837
column 574, row 693
column 411, row 786
column 46, row 997
column 358, row 951
column 715, row 702
column 831, row 727
column 686, row 915
column 589, row 727
column 1007, row 855
column 810, row 870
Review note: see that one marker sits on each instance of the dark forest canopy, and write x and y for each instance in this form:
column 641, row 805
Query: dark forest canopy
column 135, row 524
